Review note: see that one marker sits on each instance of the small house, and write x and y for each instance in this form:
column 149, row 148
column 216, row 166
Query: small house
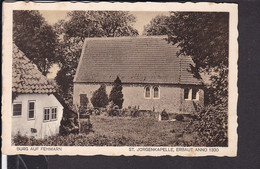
column 153, row 76
column 35, row 109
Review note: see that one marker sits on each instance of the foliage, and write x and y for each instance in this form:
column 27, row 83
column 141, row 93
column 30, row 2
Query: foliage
column 68, row 125
column 74, row 140
column 211, row 124
column 69, row 49
column 112, row 109
column 99, row 23
column 157, row 26
column 85, row 24
column 134, row 112
column 84, row 100
column 116, row 94
column 99, row 97
column 204, row 37
column 164, row 115
column 35, row 38
column 86, row 126
column 179, row 117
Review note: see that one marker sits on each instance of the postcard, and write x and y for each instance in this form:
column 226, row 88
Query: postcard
column 144, row 79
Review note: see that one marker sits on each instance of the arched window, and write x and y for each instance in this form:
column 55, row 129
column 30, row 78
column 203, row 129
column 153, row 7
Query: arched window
column 147, row 92
column 195, row 94
column 191, row 94
column 156, row 92
column 186, row 94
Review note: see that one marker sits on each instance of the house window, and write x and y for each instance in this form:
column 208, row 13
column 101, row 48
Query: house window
column 46, row 114
column 31, row 109
column 83, row 99
column 17, row 109
column 50, row 113
column 156, row 92
column 54, row 113
column 191, row 94
column 147, row 92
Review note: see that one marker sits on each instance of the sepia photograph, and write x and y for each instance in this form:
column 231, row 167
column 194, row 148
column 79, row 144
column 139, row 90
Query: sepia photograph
column 145, row 80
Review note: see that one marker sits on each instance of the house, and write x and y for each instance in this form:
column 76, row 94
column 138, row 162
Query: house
column 153, row 76
column 35, row 109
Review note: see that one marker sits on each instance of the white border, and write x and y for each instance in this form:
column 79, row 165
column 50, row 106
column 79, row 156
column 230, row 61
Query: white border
column 231, row 150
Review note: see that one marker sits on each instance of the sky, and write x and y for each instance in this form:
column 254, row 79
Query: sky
column 142, row 19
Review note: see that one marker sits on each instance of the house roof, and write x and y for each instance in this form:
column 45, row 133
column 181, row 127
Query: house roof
column 26, row 78
column 141, row 59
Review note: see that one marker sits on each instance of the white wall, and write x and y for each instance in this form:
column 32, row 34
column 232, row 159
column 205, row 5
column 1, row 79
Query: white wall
column 23, row 125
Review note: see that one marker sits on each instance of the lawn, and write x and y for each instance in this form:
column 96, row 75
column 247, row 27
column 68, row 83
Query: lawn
column 142, row 131
column 121, row 131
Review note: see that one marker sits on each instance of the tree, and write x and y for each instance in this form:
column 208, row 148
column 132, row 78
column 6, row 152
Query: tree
column 81, row 25
column 35, row 38
column 116, row 94
column 157, row 26
column 204, row 36
column 99, row 97
column 99, row 23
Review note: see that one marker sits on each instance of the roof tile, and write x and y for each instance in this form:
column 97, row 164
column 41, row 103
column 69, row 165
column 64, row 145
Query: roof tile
column 149, row 59
column 26, row 78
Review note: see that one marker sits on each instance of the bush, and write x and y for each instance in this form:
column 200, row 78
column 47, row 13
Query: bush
column 68, row 126
column 179, row 117
column 83, row 100
column 86, row 127
column 100, row 98
column 112, row 109
column 164, row 115
column 134, row 112
column 211, row 125
column 116, row 94
column 75, row 140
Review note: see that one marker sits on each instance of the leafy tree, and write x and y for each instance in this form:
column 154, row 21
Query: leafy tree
column 99, row 23
column 99, row 97
column 35, row 38
column 83, row 24
column 70, row 50
column 116, row 94
column 204, row 37
column 157, row 26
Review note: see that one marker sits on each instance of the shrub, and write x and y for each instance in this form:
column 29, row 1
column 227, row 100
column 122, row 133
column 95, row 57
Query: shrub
column 96, row 112
column 83, row 100
column 112, row 109
column 134, row 112
column 116, row 94
column 179, row 117
column 75, row 140
column 211, row 125
column 100, row 98
column 164, row 115
column 69, row 125
column 86, row 127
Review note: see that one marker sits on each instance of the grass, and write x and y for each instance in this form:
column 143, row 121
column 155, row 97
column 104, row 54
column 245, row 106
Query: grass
column 121, row 131
column 145, row 131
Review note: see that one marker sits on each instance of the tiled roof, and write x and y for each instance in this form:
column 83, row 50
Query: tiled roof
column 144, row 59
column 26, row 78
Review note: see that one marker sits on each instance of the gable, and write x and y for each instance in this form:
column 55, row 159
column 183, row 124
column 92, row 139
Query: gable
column 147, row 59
